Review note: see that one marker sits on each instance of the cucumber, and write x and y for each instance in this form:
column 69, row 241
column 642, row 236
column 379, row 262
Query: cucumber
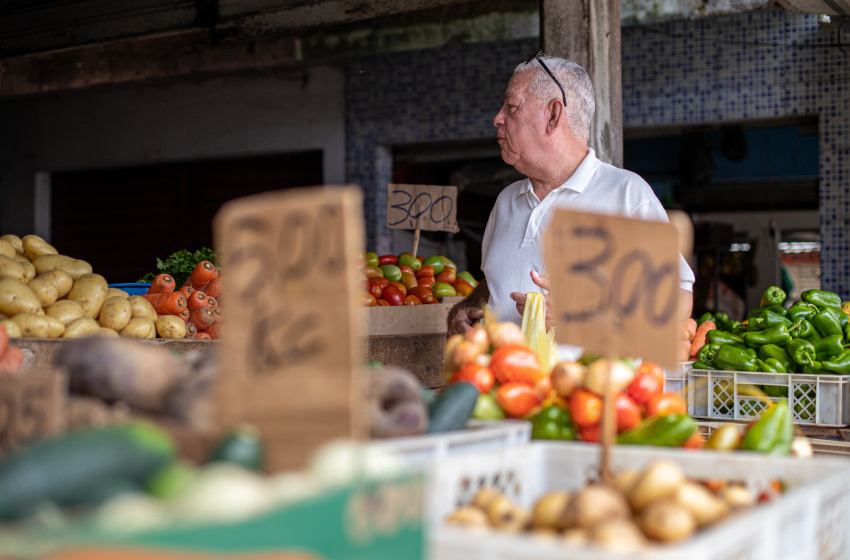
column 242, row 446
column 453, row 408
column 69, row 470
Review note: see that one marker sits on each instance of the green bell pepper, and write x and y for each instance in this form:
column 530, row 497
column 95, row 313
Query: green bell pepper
column 827, row 322
column 705, row 317
column 553, row 422
column 774, row 295
column 762, row 366
column 772, row 351
column 732, row 325
column 723, row 337
column 775, row 391
column 708, row 353
column 721, row 319
column 843, row 318
column 828, row 347
column 773, row 431
column 805, row 330
column 813, row 368
column 801, row 351
column 767, row 319
column 801, row 310
column 702, row 365
column 777, row 335
column 778, row 309
column 822, row 299
column 751, row 351
column 730, row 358
column 778, row 366
column 738, row 330
column 672, row 430
column 838, row 364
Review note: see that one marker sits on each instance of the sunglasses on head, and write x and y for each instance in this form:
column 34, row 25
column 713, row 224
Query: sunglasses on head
column 539, row 56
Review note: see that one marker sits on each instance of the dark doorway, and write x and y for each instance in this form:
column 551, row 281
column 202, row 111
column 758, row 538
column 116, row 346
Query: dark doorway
column 120, row 220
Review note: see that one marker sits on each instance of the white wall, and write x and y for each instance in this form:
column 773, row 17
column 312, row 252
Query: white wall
column 258, row 114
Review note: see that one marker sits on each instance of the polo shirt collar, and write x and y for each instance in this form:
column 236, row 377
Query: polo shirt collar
column 577, row 181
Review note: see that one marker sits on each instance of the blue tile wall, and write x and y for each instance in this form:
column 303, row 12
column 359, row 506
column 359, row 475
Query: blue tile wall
column 755, row 65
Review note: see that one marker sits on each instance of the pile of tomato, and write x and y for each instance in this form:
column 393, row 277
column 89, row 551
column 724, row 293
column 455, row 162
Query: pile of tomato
column 409, row 280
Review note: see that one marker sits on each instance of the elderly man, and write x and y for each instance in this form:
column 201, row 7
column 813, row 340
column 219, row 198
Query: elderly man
column 543, row 129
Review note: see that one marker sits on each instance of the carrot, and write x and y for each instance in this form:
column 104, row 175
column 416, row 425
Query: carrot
column 213, row 289
column 212, row 303
column 699, row 337
column 214, row 331
column 11, row 360
column 169, row 303
column 196, row 300
column 184, row 314
column 203, row 335
column 4, row 341
column 202, row 318
column 186, row 290
column 691, row 326
column 162, row 284
column 191, row 330
column 204, row 273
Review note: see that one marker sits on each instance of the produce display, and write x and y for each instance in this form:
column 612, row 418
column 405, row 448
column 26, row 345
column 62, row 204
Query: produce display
column 656, row 505
column 810, row 336
column 409, row 280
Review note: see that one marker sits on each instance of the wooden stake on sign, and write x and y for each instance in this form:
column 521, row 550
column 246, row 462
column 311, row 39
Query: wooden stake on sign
column 287, row 362
column 416, row 241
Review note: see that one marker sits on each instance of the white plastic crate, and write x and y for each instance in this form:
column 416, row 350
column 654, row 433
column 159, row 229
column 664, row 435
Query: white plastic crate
column 809, row 521
column 479, row 435
column 676, row 380
column 822, row 400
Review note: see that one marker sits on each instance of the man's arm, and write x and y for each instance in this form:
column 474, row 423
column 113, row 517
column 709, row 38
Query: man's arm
column 463, row 314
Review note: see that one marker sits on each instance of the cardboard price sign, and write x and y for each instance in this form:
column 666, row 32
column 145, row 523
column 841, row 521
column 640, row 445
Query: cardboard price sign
column 32, row 407
column 287, row 359
column 615, row 284
column 419, row 207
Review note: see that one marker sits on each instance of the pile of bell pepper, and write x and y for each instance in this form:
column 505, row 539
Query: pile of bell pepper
column 811, row 336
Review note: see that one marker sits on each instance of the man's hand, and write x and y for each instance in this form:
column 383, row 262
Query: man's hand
column 520, row 298
column 463, row 315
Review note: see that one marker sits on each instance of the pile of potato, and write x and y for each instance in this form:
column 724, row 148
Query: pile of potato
column 659, row 504
column 45, row 294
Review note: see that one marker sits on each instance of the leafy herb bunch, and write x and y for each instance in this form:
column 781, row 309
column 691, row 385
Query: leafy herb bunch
column 180, row 265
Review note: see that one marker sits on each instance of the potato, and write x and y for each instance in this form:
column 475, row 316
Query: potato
column 11, row 269
column 469, row 516
column 32, row 326
column 60, row 280
column 702, row 503
column 74, row 267
column 6, row 249
column 661, row 479
column 549, row 510
column 82, row 327
column 139, row 327
column 666, row 521
column 21, row 259
column 56, row 328
column 15, row 242
column 170, row 326
column 115, row 292
column 65, row 310
column 115, row 313
column 44, row 291
column 108, row 333
column 16, row 297
column 594, row 504
column 621, row 535
column 142, row 308
column 484, row 497
column 29, row 269
column 34, row 246
column 89, row 291
column 12, row 328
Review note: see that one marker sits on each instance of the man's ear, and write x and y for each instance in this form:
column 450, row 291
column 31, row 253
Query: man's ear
column 556, row 115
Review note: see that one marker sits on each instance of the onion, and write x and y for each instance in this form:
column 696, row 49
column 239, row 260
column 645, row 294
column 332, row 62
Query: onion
column 567, row 377
column 479, row 338
column 597, row 374
column 505, row 333
column 222, row 493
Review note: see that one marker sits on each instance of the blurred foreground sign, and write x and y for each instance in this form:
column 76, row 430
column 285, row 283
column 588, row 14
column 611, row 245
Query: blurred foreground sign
column 615, row 285
column 288, row 354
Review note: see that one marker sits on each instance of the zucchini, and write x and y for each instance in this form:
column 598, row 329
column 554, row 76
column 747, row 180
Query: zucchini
column 452, row 408
column 242, row 446
column 70, row 469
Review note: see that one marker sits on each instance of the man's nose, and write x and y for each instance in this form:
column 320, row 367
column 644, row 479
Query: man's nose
column 499, row 120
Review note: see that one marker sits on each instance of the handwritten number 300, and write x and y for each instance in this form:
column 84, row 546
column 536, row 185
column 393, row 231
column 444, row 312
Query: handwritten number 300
column 615, row 295
column 407, row 207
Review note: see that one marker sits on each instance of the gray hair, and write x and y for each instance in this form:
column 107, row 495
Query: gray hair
column 576, row 82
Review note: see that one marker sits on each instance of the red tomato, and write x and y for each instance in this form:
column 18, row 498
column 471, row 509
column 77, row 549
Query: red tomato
column 409, row 280
column 429, row 299
column 412, row 300
column 387, row 259
column 478, row 375
column 402, row 288
column 366, row 299
column 448, row 275
column 517, row 399
column 420, row 292
column 461, row 282
column 462, row 289
column 516, row 363
column 544, row 386
column 420, row 259
column 404, row 269
column 425, row 281
column 375, row 289
column 592, row 433
column 643, row 388
column 382, row 282
column 694, row 442
column 628, row 412
column 664, row 404
column 425, row 271
column 382, row 302
column 654, row 369
column 585, row 408
column 393, row 295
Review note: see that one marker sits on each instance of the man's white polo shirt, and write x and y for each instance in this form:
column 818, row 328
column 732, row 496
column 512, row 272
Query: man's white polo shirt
column 512, row 245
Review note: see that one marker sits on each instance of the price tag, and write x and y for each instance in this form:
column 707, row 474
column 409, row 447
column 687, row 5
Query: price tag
column 287, row 359
column 423, row 207
column 32, row 407
column 615, row 284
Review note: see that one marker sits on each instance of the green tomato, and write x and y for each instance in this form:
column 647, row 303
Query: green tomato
column 391, row 272
column 448, row 263
column 371, row 259
column 468, row 277
column 411, row 261
column 441, row 290
column 486, row 408
column 437, row 262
